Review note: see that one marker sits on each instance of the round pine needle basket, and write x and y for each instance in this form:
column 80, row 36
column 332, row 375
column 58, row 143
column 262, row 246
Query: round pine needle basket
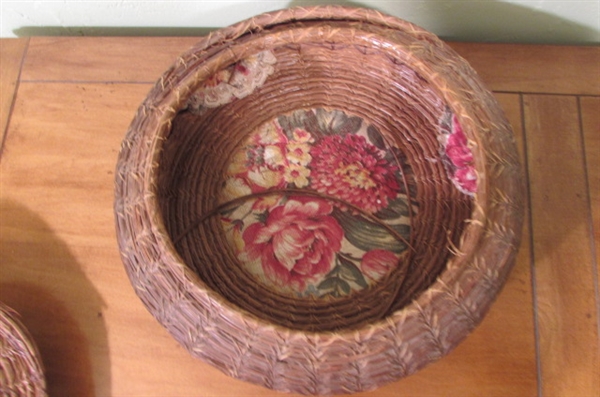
column 319, row 200
column 21, row 369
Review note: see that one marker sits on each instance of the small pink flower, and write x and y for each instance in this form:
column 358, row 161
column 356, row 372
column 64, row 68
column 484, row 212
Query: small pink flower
column 297, row 243
column 271, row 161
column 377, row 263
column 302, row 136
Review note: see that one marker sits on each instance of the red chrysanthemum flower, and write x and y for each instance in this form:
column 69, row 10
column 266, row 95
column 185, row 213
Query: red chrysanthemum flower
column 353, row 170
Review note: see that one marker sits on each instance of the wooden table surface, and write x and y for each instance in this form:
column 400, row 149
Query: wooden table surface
column 65, row 106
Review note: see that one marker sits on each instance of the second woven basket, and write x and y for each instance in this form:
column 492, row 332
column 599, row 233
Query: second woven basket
column 21, row 367
column 319, row 200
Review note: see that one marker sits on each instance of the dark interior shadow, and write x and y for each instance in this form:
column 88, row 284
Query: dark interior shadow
column 490, row 21
column 42, row 281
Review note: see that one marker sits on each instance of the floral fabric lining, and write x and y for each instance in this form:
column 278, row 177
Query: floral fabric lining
column 318, row 204
column 457, row 154
column 236, row 81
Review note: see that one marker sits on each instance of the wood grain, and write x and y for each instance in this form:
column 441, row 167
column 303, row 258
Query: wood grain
column 563, row 261
column 11, row 55
column 512, row 104
column 535, row 69
column 60, row 266
column 109, row 59
column 503, row 67
column 590, row 121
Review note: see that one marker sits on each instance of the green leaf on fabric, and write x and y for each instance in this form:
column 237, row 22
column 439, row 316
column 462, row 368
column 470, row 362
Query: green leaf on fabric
column 367, row 235
column 334, row 286
column 395, row 209
column 376, row 137
column 303, row 119
column 336, row 122
column 327, row 285
column 349, row 271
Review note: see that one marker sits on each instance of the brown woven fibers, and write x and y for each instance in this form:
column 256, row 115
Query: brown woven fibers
column 319, row 200
column 21, row 370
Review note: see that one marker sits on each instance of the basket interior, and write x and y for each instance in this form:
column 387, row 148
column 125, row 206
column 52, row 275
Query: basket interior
column 316, row 186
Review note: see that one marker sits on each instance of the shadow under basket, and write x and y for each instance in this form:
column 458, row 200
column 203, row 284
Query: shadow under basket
column 319, row 200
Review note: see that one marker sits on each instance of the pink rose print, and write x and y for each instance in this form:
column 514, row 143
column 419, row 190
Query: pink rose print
column 377, row 263
column 297, row 242
column 353, row 170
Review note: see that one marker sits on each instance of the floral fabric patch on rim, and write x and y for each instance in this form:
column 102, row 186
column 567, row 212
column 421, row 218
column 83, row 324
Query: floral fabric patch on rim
column 457, row 155
column 236, row 81
column 316, row 204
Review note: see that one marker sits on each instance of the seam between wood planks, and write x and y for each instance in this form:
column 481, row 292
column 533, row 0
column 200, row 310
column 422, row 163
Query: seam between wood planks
column 590, row 215
column 536, row 330
column 13, row 99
